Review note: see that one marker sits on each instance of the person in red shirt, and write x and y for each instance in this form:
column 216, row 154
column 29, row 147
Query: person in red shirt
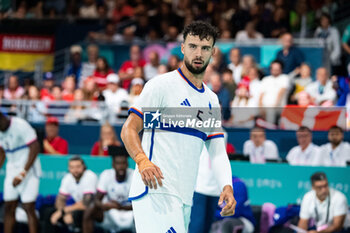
column 128, row 69
column 54, row 144
column 101, row 72
column 107, row 138
column 48, row 84
column 68, row 88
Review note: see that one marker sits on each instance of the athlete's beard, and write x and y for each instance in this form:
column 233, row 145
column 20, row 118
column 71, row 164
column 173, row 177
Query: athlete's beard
column 194, row 70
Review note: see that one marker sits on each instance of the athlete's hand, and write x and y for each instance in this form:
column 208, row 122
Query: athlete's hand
column 227, row 197
column 18, row 179
column 150, row 173
column 55, row 217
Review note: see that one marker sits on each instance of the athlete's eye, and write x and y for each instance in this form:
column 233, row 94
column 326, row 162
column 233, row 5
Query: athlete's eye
column 192, row 46
column 206, row 48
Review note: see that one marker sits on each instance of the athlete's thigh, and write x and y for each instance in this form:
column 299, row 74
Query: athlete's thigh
column 10, row 193
column 29, row 189
column 159, row 213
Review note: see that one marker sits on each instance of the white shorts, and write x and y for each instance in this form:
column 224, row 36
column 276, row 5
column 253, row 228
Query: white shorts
column 118, row 220
column 161, row 213
column 27, row 190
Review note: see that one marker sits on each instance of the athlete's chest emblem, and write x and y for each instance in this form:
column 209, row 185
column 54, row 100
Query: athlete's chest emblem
column 185, row 103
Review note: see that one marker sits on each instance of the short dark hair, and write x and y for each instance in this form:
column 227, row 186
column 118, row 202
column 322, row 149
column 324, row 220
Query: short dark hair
column 318, row 176
column 257, row 129
column 278, row 62
column 304, row 129
column 227, row 70
column 77, row 158
column 327, row 16
column 202, row 29
column 335, row 127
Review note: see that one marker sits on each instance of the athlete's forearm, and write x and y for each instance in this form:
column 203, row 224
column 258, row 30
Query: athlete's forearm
column 33, row 153
column 60, row 202
column 2, row 157
column 130, row 135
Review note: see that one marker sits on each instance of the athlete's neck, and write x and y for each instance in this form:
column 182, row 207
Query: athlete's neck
column 196, row 79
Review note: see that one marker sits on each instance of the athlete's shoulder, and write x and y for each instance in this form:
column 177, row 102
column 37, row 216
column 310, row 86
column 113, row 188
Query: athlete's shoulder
column 213, row 97
column 164, row 78
column 88, row 174
column 107, row 173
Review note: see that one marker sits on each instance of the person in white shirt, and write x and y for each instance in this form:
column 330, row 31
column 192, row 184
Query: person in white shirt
column 235, row 65
column 111, row 206
column 326, row 206
column 337, row 152
column 151, row 67
column 274, row 90
column 19, row 145
column 322, row 91
column 114, row 95
column 249, row 34
column 79, row 184
column 306, row 153
column 258, row 148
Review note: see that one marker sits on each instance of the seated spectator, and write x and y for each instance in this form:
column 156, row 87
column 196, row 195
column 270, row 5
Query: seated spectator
column 324, row 207
column 88, row 9
column 321, row 90
column 346, row 46
column 337, row 152
column 254, row 86
column 300, row 78
column 222, row 93
column 77, row 111
column 235, row 65
column 304, row 99
column 278, row 24
column 57, row 107
column 162, row 69
column 228, row 82
column 121, row 11
column 115, row 212
column 68, row 88
column 173, row 62
column 53, row 144
column 248, row 62
column 342, row 86
column 306, row 153
column 74, row 68
column 114, row 95
column 37, row 110
column 217, row 62
column 127, row 70
column 101, row 72
column 290, row 56
column 258, row 148
column 79, row 184
column 249, row 34
column 90, row 90
column 48, row 84
column 302, row 19
column 89, row 67
column 107, row 138
column 135, row 90
column 331, row 38
column 271, row 99
column 151, row 68
column 109, row 34
column 13, row 91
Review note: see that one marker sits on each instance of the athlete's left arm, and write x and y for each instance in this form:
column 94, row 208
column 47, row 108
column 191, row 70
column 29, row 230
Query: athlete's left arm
column 2, row 156
column 222, row 171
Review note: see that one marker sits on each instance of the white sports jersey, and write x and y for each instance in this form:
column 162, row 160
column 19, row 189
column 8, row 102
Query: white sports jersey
column 176, row 152
column 15, row 141
column 70, row 187
column 308, row 157
column 259, row 154
column 114, row 190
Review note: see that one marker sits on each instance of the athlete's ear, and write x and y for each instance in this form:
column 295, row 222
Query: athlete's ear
column 213, row 51
column 182, row 48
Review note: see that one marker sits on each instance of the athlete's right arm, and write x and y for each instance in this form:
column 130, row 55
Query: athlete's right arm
column 130, row 136
column 2, row 156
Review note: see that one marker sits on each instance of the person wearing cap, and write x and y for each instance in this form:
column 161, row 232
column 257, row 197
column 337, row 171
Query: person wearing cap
column 75, row 66
column 114, row 95
column 48, row 84
column 135, row 90
column 54, row 144
column 326, row 206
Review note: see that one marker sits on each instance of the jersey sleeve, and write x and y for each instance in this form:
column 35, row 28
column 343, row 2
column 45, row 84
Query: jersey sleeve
column 340, row 206
column 102, row 183
column 30, row 135
column 89, row 183
column 216, row 132
column 304, row 208
column 64, row 187
column 149, row 98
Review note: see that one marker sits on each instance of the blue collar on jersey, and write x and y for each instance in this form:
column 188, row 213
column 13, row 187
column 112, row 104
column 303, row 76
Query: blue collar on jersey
column 189, row 82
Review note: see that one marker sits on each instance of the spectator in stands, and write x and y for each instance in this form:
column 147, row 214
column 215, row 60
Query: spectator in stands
column 290, row 56
column 254, row 86
column 108, row 137
column 114, row 95
column 342, row 86
column 2, row 89
column 172, row 34
column 90, row 89
column 162, row 69
column 217, row 63
column 127, row 70
column 331, row 38
column 74, row 68
column 115, row 212
column 326, row 206
column 235, row 65
column 228, row 82
column 248, row 62
column 322, row 91
column 68, row 88
column 48, row 84
column 304, row 99
column 77, row 111
column 302, row 19
column 173, row 62
column 273, row 98
column 13, row 91
column 278, row 25
column 101, row 72
column 151, row 68
column 222, row 93
column 53, row 144
column 346, row 46
column 135, row 90
column 88, row 9
column 36, row 110
column 258, row 148
column 89, row 67
column 122, row 10
column 336, row 152
column 249, row 34
column 306, row 153
column 108, row 35
column 80, row 185
column 300, row 79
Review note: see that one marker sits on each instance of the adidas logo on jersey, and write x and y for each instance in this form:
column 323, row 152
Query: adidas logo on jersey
column 171, row 230
column 185, row 103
